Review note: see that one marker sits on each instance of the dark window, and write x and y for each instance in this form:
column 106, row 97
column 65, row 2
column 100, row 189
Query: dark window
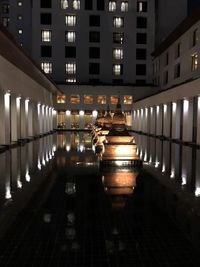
column 141, row 53
column 165, row 78
column 100, row 4
column 5, row 8
column 118, row 37
column 94, row 68
column 94, row 37
column 94, row 20
column 141, row 22
column 94, row 81
column 177, row 70
column 45, row 3
column 88, row 4
column 70, row 51
column 141, row 6
column 117, row 81
column 141, row 38
column 45, row 18
column 94, row 52
column 166, row 59
column 46, row 51
column 140, row 69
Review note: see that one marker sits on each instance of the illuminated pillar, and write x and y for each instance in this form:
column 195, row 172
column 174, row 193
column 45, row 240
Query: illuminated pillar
column 81, row 119
column 159, row 120
column 3, row 117
column 29, row 117
column 13, row 110
column 35, row 114
column 68, row 119
column 187, row 120
column 152, row 120
column 51, row 119
column 167, row 120
column 198, row 120
column 176, row 119
column 94, row 116
column 54, row 119
column 23, row 119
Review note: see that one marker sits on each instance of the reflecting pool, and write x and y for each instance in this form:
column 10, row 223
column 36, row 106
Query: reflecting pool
column 59, row 208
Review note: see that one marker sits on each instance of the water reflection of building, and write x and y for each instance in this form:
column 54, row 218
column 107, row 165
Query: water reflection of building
column 119, row 183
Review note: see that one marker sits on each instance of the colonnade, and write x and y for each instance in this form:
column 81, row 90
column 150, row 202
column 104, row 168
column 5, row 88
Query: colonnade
column 179, row 119
column 21, row 118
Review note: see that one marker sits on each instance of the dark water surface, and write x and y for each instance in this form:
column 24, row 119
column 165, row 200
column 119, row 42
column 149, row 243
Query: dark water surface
column 72, row 213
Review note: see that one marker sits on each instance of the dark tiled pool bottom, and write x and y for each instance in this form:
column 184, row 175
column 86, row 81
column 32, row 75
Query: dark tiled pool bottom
column 79, row 224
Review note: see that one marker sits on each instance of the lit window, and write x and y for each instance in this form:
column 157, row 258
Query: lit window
column 46, row 35
column 46, row 67
column 118, row 37
column 128, row 99
column 64, row 4
column 118, row 22
column 114, row 100
column 117, row 69
column 61, row 99
column 19, row 3
column 101, row 99
column 112, row 6
column 70, row 36
column 70, row 20
column 194, row 37
column 72, row 80
column 76, row 4
column 88, row 99
column 141, row 6
column 70, row 68
column 118, row 53
column 194, row 65
column 124, row 6
column 20, row 31
column 75, row 99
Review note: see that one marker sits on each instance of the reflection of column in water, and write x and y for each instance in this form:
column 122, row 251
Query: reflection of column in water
column 166, row 157
column 68, row 141
column 8, row 177
column 186, row 172
column 81, row 142
column 18, row 172
column 158, row 159
column 197, row 176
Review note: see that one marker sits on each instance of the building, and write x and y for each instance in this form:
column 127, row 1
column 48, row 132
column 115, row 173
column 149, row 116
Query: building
column 98, row 42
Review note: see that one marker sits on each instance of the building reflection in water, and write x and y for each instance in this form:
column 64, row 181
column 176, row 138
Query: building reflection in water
column 119, row 183
column 178, row 162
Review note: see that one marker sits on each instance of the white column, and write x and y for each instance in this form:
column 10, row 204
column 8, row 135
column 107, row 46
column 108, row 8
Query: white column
column 18, row 113
column 176, row 119
column 152, row 120
column 36, row 124
column 2, row 119
column 187, row 120
column 81, row 119
column 166, row 119
column 14, row 119
column 51, row 119
column 68, row 119
column 197, row 185
column 29, row 118
column 23, row 120
column 158, row 120
column 198, row 120
column 54, row 119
